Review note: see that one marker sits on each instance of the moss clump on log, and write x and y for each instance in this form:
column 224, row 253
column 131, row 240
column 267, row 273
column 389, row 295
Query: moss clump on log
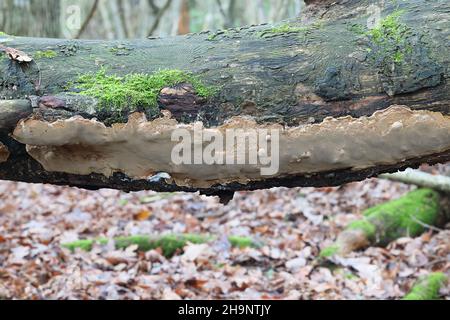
column 134, row 90
column 47, row 54
column 427, row 287
column 286, row 28
column 391, row 38
column 329, row 251
column 402, row 55
column 406, row 216
column 169, row 244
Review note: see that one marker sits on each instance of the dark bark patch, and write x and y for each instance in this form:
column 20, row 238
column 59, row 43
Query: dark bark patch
column 332, row 86
column 418, row 73
column 20, row 79
column 68, row 49
column 248, row 107
column 181, row 100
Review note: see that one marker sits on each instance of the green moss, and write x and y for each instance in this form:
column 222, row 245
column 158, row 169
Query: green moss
column 241, row 242
column 427, row 287
column 85, row 245
column 350, row 276
column 212, row 37
column 290, row 28
column 169, row 244
column 405, row 216
column 366, row 226
column 48, row 54
column 285, row 28
column 221, row 34
column 389, row 39
column 329, row 251
column 3, row 34
column 135, row 90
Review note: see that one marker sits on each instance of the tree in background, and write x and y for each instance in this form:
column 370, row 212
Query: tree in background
column 121, row 19
column 39, row 18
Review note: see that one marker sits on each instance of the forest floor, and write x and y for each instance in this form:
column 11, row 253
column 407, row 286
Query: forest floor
column 291, row 224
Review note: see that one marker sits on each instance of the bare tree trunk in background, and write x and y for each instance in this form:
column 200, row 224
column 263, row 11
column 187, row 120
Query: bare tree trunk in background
column 113, row 11
column 123, row 18
column 184, row 21
column 106, row 20
column 39, row 18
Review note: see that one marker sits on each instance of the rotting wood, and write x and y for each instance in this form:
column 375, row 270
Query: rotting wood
column 296, row 74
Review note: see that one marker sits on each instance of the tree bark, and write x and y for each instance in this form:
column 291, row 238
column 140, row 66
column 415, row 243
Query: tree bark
column 325, row 64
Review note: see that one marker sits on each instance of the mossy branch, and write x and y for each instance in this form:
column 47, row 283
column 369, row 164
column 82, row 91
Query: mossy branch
column 169, row 244
column 406, row 216
column 427, row 287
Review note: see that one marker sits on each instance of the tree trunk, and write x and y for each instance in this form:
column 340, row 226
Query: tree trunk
column 31, row 17
column 384, row 92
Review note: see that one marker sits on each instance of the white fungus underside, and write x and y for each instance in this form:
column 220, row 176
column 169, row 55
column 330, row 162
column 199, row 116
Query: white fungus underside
column 141, row 148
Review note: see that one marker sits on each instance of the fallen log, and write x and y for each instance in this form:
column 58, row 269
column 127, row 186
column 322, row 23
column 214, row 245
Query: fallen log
column 427, row 287
column 169, row 244
column 408, row 216
column 349, row 100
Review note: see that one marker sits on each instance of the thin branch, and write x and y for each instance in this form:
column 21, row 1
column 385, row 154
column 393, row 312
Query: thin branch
column 222, row 11
column 153, row 6
column 158, row 17
column 421, row 179
column 123, row 18
column 87, row 20
column 231, row 19
column 426, row 226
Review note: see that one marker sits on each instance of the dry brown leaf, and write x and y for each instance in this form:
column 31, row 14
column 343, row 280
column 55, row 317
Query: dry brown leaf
column 142, row 215
column 195, row 283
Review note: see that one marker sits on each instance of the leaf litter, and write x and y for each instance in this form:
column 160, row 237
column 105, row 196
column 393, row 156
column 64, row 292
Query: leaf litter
column 292, row 226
